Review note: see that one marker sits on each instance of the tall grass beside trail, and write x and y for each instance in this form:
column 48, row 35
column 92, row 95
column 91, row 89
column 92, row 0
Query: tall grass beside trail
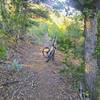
column 71, row 42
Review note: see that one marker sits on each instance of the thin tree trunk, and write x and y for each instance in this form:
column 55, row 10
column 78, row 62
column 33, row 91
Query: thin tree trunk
column 91, row 67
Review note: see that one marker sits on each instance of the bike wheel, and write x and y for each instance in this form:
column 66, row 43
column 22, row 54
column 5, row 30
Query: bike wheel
column 45, row 51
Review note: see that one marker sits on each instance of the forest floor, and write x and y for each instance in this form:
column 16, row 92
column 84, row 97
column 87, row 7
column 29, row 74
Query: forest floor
column 37, row 79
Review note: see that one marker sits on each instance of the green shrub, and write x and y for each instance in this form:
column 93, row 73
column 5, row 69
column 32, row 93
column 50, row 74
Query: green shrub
column 71, row 43
column 98, row 85
column 3, row 52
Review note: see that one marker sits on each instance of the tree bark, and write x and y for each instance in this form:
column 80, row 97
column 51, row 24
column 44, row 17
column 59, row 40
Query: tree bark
column 91, row 67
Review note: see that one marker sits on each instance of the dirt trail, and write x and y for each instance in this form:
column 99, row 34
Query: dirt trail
column 38, row 80
column 50, row 84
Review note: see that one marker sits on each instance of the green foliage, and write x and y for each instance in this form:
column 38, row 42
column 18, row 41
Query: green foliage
column 37, row 11
column 32, row 22
column 40, row 13
column 97, row 54
column 13, row 17
column 13, row 22
column 43, row 28
column 3, row 52
column 74, row 30
column 39, row 30
column 72, row 40
column 54, row 30
column 76, row 73
column 98, row 85
column 71, row 43
column 97, row 51
column 88, row 12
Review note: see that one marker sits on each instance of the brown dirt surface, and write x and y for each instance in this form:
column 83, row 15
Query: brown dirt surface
column 37, row 80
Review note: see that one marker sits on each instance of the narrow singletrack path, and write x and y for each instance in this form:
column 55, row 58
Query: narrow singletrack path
column 38, row 80
column 50, row 84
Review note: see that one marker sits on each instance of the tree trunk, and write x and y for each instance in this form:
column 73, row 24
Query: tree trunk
column 91, row 67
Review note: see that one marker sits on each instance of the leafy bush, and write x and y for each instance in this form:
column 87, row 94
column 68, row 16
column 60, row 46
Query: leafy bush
column 97, row 54
column 98, row 85
column 71, row 43
column 3, row 52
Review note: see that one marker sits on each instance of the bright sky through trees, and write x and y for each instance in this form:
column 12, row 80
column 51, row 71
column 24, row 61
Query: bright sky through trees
column 62, row 0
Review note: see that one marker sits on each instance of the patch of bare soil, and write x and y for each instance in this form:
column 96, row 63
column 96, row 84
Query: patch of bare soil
column 37, row 80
